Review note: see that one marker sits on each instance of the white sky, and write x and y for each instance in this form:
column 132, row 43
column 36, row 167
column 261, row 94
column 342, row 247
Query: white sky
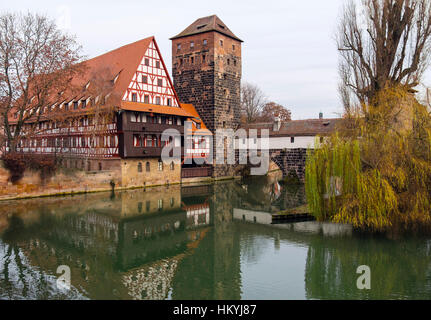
column 289, row 49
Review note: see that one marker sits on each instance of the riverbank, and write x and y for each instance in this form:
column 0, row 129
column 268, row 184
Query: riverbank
column 75, row 181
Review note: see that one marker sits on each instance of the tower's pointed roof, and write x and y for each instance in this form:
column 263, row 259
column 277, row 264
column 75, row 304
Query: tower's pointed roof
column 207, row 24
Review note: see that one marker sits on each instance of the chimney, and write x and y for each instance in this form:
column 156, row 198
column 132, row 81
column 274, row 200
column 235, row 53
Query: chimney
column 320, row 115
column 277, row 123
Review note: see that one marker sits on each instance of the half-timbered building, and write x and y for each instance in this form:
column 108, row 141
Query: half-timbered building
column 113, row 116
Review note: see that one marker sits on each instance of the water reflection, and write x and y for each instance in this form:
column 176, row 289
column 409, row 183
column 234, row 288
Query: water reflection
column 197, row 242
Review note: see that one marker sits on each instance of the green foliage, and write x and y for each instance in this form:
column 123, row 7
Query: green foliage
column 375, row 173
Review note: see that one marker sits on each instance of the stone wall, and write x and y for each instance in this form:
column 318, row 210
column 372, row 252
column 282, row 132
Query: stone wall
column 209, row 77
column 133, row 176
column 290, row 159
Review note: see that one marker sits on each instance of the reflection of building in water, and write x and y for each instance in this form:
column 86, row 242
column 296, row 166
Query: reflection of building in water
column 107, row 242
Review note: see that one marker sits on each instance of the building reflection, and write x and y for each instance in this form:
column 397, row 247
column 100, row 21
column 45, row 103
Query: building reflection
column 107, row 241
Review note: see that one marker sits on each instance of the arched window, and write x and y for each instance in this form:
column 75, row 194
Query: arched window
column 147, row 167
column 160, row 165
column 139, row 167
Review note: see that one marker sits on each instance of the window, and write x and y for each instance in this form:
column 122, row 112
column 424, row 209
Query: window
column 147, row 167
column 144, row 79
column 179, row 46
column 157, row 100
column 134, row 117
column 160, row 204
column 75, row 105
column 169, row 102
column 205, row 42
column 160, row 82
column 221, row 43
column 192, row 44
column 192, row 60
column 158, row 64
column 292, row 139
column 100, row 166
column 83, row 103
column 181, row 61
column 139, row 167
column 66, row 106
column 233, row 47
column 228, row 61
column 134, row 97
column 172, row 202
column 234, row 62
column 203, row 58
column 146, row 98
column 160, row 165
column 172, row 165
column 147, row 62
column 136, row 140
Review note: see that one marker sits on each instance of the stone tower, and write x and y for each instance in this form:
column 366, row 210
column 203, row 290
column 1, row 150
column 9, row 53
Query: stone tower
column 206, row 68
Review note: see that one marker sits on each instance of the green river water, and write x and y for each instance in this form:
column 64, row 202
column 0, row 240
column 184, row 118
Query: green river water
column 198, row 242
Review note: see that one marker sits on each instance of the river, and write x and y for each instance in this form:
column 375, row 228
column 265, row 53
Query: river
column 198, row 242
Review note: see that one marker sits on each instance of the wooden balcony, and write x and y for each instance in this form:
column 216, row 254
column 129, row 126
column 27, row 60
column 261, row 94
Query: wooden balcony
column 147, row 152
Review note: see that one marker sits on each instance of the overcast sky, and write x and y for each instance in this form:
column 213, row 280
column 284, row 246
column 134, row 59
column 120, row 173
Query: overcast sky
column 288, row 51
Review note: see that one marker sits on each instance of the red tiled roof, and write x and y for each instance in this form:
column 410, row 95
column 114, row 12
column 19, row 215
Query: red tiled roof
column 144, row 107
column 196, row 119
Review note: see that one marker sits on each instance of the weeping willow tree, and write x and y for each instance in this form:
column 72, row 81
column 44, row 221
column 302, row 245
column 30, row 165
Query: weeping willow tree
column 375, row 172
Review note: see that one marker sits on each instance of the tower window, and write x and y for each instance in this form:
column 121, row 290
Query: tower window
column 147, row 62
column 221, row 43
column 203, row 58
column 233, row 47
column 179, row 46
column 205, row 42
column 234, row 63
column 228, row 61
column 75, row 105
column 192, row 60
column 192, row 44
column 144, row 79
column 134, row 97
column 181, row 62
